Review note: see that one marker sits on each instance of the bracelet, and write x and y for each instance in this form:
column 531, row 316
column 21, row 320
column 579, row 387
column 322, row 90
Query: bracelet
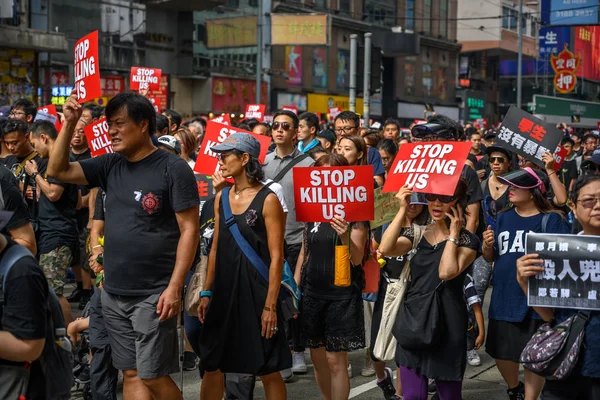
column 96, row 246
column 453, row 241
column 34, row 175
column 551, row 173
column 206, row 293
column 267, row 308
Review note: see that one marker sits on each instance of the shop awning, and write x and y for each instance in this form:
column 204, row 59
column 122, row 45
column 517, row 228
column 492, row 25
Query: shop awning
column 30, row 39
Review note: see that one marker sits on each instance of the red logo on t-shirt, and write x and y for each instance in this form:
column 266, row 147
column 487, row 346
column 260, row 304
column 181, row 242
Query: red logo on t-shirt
column 150, row 203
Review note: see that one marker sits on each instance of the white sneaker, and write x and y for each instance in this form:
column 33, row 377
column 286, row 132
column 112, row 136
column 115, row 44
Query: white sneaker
column 298, row 363
column 368, row 370
column 287, row 375
column 349, row 370
column 473, row 358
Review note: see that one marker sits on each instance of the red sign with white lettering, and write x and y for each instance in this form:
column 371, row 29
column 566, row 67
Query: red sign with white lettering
column 256, row 111
column 51, row 110
column 559, row 157
column 145, row 78
column 432, row 167
column 97, row 137
column 321, row 193
column 155, row 103
column 87, row 70
column 293, row 109
column 207, row 161
column 223, row 119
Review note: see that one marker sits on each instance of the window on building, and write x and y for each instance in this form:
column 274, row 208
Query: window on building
column 380, row 12
column 444, row 18
column 427, row 16
column 509, row 20
column 233, row 3
column 253, row 3
column 321, row 4
column 410, row 15
column 344, row 5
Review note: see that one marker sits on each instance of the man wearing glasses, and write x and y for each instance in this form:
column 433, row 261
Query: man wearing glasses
column 24, row 110
column 347, row 123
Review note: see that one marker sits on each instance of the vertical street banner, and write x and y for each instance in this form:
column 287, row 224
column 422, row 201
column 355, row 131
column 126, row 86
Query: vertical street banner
column 86, row 68
column 428, row 167
column 528, row 136
column 207, row 161
column 206, row 190
column 144, row 78
column 321, row 193
column 256, row 111
column 571, row 277
column 97, row 137
column 386, row 208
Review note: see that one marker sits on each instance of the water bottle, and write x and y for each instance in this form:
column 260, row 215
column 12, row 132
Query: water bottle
column 62, row 340
column 571, row 218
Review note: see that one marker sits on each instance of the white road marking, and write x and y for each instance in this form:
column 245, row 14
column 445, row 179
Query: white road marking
column 365, row 387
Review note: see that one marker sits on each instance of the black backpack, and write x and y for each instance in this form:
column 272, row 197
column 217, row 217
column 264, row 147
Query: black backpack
column 57, row 363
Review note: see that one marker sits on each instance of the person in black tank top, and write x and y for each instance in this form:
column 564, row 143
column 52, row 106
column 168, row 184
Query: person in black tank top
column 332, row 315
column 243, row 326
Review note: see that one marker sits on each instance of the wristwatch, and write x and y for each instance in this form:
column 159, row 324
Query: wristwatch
column 453, row 241
column 34, row 175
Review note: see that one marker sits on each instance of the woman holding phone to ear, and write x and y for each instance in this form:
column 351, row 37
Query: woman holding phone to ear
column 438, row 267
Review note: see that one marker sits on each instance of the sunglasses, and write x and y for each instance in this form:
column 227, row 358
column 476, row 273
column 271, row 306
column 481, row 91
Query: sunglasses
column 500, row 160
column 286, row 126
column 424, row 130
column 590, row 202
column 441, row 198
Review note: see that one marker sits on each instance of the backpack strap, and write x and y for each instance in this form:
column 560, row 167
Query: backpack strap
column 11, row 256
column 545, row 220
column 291, row 165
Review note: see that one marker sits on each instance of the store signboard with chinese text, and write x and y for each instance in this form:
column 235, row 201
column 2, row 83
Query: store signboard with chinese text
column 299, row 29
column 231, row 32
column 565, row 66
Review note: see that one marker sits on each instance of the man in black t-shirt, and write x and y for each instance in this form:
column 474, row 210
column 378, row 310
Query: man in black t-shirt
column 23, row 321
column 19, row 227
column 152, row 234
column 58, row 239
column 568, row 172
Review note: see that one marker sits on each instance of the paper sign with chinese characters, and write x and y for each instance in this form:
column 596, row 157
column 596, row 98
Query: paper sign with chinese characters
column 565, row 66
column 207, row 161
column 528, row 136
column 206, row 191
column 321, row 193
column 571, row 277
column 97, row 137
column 86, row 68
column 431, row 167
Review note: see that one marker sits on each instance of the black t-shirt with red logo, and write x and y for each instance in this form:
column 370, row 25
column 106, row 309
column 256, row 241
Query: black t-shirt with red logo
column 141, row 231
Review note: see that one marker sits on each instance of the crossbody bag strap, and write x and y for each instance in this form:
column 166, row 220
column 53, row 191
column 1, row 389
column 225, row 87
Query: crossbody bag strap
column 291, row 165
column 248, row 251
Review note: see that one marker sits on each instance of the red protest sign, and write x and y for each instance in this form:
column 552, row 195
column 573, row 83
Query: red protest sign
column 224, row 119
column 598, row 125
column 293, row 109
column 87, row 70
column 256, row 111
column 145, row 78
column 559, row 157
column 320, row 193
column 334, row 112
column 207, row 161
column 431, row 167
column 51, row 110
column 155, row 103
column 97, row 137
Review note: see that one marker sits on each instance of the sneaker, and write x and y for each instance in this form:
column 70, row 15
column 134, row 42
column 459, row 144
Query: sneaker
column 431, row 386
column 473, row 358
column 75, row 296
column 287, row 375
column 190, row 361
column 517, row 393
column 85, row 298
column 368, row 369
column 298, row 363
column 83, row 377
column 349, row 370
column 389, row 391
column 436, row 396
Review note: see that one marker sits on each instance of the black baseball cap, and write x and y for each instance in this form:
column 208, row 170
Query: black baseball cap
column 423, row 130
column 492, row 149
column 328, row 135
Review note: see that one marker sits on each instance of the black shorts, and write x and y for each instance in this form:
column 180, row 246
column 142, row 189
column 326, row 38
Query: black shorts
column 572, row 388
column 337, row 325
column 506, row 340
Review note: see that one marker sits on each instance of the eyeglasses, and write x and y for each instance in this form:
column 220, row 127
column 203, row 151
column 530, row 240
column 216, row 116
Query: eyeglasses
column 224, row 155
column 589, row 202
column 500, row 160
column 441, row 198
column 345, row 129
column 15, row 113
column 284, row 125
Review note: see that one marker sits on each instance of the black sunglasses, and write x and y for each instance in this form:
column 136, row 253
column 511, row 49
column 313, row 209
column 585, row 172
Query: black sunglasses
column 284, row 125
column 423, row 130
column 443, row 199
column 501, row 160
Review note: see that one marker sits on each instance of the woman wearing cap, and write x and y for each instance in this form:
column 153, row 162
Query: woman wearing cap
column 332, row 315
column 511, row 321
column 390, row 272
column 557, row 193
column 242, row 324
column 438, row 268
column 584, row 381
column 499, row 159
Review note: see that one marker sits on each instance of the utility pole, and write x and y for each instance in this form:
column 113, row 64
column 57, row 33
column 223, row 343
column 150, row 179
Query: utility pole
column 520, row 55
column 367, row 80
column 259, row 51
column 353, row 57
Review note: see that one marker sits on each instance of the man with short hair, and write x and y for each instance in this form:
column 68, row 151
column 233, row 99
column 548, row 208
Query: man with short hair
column 90, row 113
column 347, row 123
column 152, row 222
column 285, row 130
column 327, row 139
column 308, row 126
column 59, row 237
column 391, row 130
column 262, row 129
column 174, row 119
column 577, row 139
column 474, row 137
column 590, row 142
column 24, row 110
column 569, row 171
column 162, row 126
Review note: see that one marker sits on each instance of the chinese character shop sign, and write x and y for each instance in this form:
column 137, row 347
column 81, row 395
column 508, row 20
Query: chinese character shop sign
column 565, row 66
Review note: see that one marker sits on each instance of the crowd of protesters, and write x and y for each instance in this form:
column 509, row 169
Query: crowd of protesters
column 127, row 228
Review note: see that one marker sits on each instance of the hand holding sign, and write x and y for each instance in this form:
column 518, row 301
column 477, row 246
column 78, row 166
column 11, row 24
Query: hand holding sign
column 72, row 109
column 341, row 227
column 403, row 196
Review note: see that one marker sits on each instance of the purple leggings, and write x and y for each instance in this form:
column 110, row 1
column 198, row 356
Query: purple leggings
column 414, row 386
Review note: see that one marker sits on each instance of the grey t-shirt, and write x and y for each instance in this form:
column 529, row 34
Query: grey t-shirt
column 273, row 164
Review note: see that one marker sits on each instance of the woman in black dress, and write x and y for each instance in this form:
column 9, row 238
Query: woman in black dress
column 443, row 254
column 242, row 324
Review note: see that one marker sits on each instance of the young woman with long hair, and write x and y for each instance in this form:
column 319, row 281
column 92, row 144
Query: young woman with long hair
column 511, row 321
column 189, row 144
column 387, row 150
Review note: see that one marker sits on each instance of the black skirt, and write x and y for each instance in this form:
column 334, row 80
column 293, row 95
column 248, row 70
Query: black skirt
column 506, row 340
